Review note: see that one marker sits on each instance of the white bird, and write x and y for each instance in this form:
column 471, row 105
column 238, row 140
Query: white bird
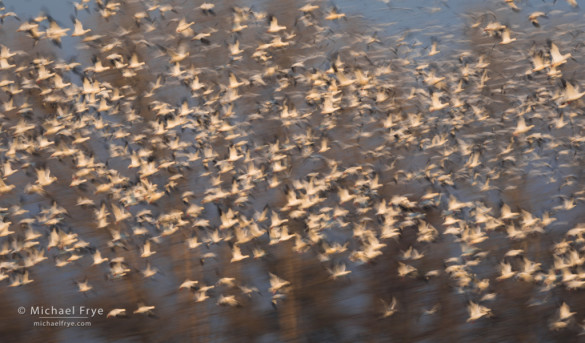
column 44, row 177
column 565, row 312
column 477, row 311
column 334, row 15
column 193, row 242
column 389, row 309
column 4, row 229
column 120, row 214
column 338, row 270
column 237, row 254
column 78, row 29
column 117, row 312
column 183, row 25
column 506, row 39
column 436, row 104
column 563, row 317
column 274, row 27
column 201, row 294
column 506, row 271
column 146, row 250
column 434, row 49
column 521, row 127
column 84, row 286
column 533, row 17
column 506, row 212
column 143, row 309
column 97, row 258
column 228, row 300
column 4, row 188
column 149, row 271
column 573, row 3
column 571, row 93
column 308, row 8
column 556, row 57
column 277, row 283
column 55, row 32
column 189, row 284
column 538, row 63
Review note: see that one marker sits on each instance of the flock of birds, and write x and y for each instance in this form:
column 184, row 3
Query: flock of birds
column 235, row 133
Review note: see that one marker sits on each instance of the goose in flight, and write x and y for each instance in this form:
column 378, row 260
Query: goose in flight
column 506, row 37
column 274, row 27
column 78, row 29
column 189, row 284
column 277, row 283
column 477, row 311
column 55, row 32
column 84, row 286
column 533, row 17
column 570, row 93
column 556, row 57
column 338, row 271
column 117, row 312
column 389, row 309
column 144, row 309
column 334, row 14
